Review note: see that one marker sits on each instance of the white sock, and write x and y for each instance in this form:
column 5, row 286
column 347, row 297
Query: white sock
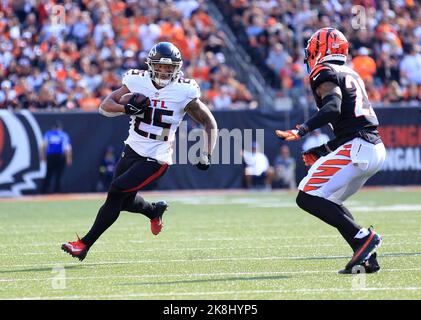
column 362, row 233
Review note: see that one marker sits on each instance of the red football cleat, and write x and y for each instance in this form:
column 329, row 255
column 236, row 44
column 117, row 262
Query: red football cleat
column 156, row 223
column 77, row 249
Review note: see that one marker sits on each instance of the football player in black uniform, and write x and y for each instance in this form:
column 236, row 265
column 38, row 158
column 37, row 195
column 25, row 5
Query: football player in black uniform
column 340, row 167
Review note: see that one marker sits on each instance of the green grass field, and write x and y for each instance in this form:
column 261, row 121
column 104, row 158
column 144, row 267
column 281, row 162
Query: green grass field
column 227, row 246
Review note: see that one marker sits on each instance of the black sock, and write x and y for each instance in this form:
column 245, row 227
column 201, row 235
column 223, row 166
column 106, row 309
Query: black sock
column 106, row 216
column 353, row 243
column 331, row 213
column 346, row 211
column 135, row 203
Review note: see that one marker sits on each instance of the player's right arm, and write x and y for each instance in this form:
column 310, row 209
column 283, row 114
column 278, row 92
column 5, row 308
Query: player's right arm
column 325, row 84
column 110, row 107
column 331, row 96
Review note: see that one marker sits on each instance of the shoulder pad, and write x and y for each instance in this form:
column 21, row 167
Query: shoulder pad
column 322, row 73
column 132, row 77
column 187, row 80
column 193, row 88
column 135, row 72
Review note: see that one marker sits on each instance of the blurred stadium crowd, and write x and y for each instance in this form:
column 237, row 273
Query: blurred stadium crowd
column 46, row 63
column 385, row 41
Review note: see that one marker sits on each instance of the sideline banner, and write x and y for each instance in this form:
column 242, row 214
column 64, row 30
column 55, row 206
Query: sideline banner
column 21, row 171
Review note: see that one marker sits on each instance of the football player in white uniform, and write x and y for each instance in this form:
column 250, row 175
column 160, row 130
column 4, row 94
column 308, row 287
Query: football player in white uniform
column 155, row 117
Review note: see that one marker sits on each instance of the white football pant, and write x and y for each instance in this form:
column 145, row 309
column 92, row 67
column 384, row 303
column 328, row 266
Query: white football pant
column 343, row 172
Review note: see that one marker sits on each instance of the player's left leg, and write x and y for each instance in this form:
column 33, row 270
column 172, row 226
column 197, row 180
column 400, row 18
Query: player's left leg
column 153, row 210
column 133, row 201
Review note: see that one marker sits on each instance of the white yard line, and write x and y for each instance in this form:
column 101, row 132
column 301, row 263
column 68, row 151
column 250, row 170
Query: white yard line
column 178, row 249
column 196, row 275
column 197, row 260
column 213, row 293
column 248, row 239
column 185, row 276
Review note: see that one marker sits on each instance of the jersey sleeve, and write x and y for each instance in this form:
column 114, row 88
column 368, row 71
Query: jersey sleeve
column 322, row 73
column 130, row 78
column 193, row 91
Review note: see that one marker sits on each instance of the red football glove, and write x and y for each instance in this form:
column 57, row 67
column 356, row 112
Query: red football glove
column 311, row 155
column 294, row 134
column 289, row 135
column 309, row 159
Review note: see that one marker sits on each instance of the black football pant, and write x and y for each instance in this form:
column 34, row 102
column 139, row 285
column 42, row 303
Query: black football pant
column 333, row 214
column 133, row 172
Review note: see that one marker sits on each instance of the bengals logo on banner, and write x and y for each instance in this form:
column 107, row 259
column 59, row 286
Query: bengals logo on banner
column 20, row 165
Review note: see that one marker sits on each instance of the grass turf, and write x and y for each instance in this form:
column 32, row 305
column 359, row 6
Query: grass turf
column 227, row 246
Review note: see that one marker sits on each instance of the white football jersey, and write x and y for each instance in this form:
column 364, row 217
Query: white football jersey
column 152, row 133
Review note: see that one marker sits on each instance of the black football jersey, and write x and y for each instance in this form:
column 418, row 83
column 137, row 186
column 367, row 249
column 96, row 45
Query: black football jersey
column 356, row 111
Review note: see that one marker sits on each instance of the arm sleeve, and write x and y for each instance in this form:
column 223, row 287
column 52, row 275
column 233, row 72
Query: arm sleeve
column 330, row 108
column 329, row 112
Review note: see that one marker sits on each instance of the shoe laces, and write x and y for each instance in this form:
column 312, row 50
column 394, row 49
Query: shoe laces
column 77, row 242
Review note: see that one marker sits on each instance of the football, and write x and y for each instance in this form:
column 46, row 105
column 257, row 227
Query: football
column 126, row 97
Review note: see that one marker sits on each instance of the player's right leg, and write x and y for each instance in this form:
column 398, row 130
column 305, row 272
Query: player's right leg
column 107, row 215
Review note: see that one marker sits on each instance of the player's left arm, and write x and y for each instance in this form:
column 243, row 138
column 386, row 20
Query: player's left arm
column 331, row 96
column 202, row 115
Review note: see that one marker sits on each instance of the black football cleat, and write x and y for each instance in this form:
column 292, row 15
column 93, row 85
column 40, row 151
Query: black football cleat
column 371, row 242
column 370, row 266
column 156, row 223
